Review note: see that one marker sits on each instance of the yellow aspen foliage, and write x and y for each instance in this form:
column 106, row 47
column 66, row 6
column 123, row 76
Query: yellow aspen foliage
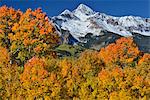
column 104, row 74
column 123, row 83
column 121, row 53
column 34, row 70
column 65, row 66
column 8, row 17
column 9, row 77
column 30, row 32
column 34, row 77
column 4, row 58
column 114, row 96
column 37, row 34
column 89, row 61
column 145, row 59
column 117, row 72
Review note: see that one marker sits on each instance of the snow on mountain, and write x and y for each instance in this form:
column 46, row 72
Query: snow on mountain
column 66, row 12
column 84, row 20
column 83, row 12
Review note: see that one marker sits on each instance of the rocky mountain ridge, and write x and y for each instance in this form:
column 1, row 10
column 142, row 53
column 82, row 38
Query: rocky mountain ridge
column 95, row 29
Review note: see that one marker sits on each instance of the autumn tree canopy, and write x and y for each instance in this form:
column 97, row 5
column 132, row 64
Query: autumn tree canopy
column 29, row 70
column 121, row 53
column 26, row 34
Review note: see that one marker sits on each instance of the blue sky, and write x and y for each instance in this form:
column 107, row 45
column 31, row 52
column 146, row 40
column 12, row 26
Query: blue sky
column 111, row 7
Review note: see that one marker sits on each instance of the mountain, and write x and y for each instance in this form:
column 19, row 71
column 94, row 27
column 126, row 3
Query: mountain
column 95, row 29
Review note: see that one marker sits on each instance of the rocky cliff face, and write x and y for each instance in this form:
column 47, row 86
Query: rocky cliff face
column 95, row 30
column 143, row 42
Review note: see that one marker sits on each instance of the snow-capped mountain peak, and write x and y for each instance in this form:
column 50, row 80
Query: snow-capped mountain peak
column 84, row 10
column 84, row 20
column 66, row 12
